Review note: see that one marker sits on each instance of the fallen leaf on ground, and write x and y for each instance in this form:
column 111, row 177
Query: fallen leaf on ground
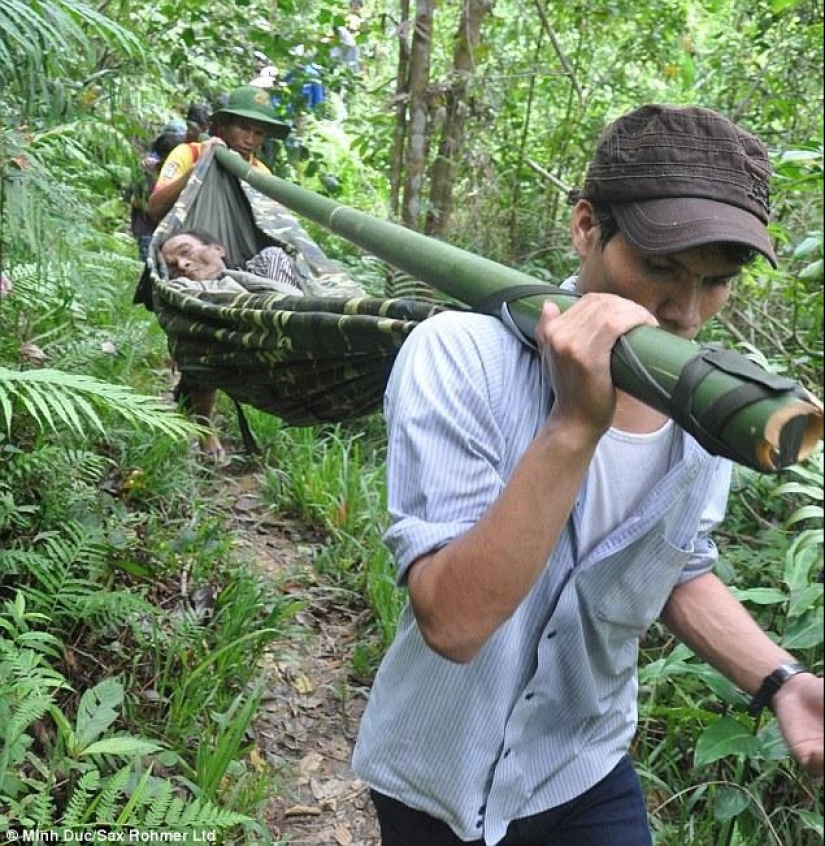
column 343, row 836
column 311, row 762
column 303, row 684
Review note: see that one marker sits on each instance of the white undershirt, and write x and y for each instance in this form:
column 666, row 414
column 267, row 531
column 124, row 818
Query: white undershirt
column 624, row 469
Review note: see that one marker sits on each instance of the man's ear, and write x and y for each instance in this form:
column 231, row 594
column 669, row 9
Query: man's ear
column 584, row 228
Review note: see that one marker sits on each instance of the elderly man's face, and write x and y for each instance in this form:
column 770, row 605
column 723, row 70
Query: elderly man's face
column 187, row 255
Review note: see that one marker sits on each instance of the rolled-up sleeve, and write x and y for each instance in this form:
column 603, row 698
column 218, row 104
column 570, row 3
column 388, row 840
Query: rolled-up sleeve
column 445, row 443
column 705, row 554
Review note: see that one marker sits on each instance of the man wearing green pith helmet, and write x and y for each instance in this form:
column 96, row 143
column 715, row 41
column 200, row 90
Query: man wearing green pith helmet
column 242, row 125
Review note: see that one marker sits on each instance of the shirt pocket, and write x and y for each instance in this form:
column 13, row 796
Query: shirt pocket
column 630, row 588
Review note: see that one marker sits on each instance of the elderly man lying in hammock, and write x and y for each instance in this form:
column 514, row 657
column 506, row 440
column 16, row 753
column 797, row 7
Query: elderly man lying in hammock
column 196, row 258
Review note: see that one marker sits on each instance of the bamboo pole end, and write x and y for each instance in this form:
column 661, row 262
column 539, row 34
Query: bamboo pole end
column 791, row 434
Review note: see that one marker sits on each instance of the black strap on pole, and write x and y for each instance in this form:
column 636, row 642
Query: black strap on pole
column 249, row 441
column 492, row 304
column 757, row 384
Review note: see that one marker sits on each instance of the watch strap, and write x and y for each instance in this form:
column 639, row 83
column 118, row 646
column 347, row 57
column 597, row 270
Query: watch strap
column 771, row 684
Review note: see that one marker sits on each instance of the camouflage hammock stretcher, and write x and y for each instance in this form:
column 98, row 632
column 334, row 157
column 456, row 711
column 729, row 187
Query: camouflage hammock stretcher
column 321, row 357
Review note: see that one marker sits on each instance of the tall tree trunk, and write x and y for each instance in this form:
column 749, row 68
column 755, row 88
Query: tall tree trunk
column 416, row 145
column 515, row 194
column 402, row 93
column 452, row 136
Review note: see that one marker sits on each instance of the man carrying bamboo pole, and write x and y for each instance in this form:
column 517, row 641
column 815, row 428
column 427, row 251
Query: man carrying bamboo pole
column 543, row 520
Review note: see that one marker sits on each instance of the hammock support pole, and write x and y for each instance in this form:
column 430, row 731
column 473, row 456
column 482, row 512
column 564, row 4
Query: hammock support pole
column 731, row 405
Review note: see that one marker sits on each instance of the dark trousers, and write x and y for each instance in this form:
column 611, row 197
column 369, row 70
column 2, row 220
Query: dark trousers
column 611, row 813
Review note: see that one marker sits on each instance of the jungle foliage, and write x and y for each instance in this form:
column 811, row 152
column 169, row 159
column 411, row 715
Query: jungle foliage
column 130, row 630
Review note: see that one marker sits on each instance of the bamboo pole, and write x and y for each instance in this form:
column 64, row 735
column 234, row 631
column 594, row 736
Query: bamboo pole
column 779, row 427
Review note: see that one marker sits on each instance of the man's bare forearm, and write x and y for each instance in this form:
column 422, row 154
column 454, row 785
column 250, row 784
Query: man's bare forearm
column 706, row 616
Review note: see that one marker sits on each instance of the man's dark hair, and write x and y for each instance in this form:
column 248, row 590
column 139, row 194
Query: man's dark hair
column 198, row 113
column 165, row 143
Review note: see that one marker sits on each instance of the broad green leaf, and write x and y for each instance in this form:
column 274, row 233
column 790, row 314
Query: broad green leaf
column 812, row 821
column 805, row 632
column 812, row 271
column 98, row 709
column 760, row 596
column 811, row 490
column 726, row 736
column 799, row 559
column 773, row 743
column 729, row 802
column 814, row 156
column 804, row 599
column 807, row 512
column 809, row 245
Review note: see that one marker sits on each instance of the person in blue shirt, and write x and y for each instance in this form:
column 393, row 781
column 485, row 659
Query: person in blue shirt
column 542, row 520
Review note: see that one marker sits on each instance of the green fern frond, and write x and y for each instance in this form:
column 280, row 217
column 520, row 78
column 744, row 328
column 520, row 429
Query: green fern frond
column 142, row 796
column 156, row 814
column 30, row 708
column 25, row 671
column 87, row 467
column 40, row 804
column 63, row 31
column 64, row 571
column 14, row 742
column 49, row 483
column 116, row 786
column 110, row 267
column 113, row 609
column 13, row 562
column 174, row 811
column 78, row 805
column 40, row 287
column 58, row 566
column 72, row 401
column 121, row 747
column 74, row 546
column 204, row 814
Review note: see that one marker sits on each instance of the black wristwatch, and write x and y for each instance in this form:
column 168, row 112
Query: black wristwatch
column 772, row 683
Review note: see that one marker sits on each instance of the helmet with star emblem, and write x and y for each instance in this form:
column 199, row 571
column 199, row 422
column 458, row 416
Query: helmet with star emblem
column 253, row 104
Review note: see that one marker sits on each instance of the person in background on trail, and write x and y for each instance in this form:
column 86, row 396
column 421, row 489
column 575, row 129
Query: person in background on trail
column 542, row 520
column 197, row 122
column 346, row 49
column 241, row 125
column 141, row 224
column 307, row 76
column 266, row 78
column 197, row 255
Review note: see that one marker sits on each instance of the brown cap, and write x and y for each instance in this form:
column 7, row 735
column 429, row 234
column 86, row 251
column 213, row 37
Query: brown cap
column 681, row 177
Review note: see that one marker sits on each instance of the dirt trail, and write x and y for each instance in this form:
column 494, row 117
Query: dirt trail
column 309, row 716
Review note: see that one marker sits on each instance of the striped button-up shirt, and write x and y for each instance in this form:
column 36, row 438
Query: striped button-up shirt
column 548, row 706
